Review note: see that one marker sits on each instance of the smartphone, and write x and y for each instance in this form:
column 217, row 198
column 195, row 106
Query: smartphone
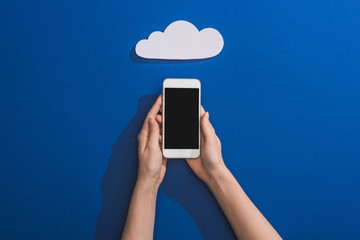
column 181, row 118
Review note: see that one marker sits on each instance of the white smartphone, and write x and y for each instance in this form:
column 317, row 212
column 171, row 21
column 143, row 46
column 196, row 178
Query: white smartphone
column 181, row 118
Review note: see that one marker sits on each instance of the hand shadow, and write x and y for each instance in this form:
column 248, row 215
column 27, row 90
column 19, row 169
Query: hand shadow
column 120, row 176
column 184, row 187
column 180, row 184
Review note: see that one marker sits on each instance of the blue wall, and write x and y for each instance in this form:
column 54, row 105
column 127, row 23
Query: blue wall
column 283, row 96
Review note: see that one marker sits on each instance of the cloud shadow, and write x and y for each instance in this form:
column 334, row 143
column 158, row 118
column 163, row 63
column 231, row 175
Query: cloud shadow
column 137, row 59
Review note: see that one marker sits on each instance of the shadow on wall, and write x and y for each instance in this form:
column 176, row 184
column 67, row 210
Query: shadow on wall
column 120, row 176
column 180, row 184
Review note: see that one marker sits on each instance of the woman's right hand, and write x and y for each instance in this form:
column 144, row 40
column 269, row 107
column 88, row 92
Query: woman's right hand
column 210, row 162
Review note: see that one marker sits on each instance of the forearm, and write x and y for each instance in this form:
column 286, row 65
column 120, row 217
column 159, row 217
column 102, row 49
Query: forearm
column 141, row 215
column 245, row 219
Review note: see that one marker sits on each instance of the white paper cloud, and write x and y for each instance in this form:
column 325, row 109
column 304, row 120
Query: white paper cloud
column 181, row 40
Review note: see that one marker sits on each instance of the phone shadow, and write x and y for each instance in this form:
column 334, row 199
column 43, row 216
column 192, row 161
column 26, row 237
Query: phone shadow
column 180, row 184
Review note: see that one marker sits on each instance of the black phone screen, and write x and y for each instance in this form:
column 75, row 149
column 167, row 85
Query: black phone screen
column 181, row 118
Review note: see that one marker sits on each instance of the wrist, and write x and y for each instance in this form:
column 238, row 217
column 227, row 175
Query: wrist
column 218, row 176
column 147, row 184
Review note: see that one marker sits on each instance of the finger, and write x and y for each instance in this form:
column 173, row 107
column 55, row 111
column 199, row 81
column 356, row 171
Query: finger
column 202, row 111
column 156, row 107
column 142, row 140
column 202, row 138
column 153, row 140
column 206, row 127
column 158, row 118
column 153, row 111
column 160, row 139
column 212, row 128
column 164, row 162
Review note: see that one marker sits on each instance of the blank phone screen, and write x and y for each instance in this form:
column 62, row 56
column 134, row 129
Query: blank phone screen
column 181, row 118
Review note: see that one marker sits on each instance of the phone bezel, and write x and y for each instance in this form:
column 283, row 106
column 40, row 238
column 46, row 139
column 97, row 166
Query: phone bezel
column 180, row 83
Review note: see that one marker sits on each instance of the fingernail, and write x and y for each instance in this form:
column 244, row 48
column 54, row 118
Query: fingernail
column 208, row 115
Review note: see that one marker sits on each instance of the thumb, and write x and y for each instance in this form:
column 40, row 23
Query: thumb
column 153, row 140
column 206, row 127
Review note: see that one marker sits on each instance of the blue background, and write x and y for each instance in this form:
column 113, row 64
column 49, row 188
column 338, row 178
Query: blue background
column 283, row 96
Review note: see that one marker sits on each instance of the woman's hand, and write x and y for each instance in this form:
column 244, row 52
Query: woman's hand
column 152, row 164
column 210, row 163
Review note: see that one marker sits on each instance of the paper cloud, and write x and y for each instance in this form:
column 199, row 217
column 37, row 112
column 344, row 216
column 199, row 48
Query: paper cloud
column 181, row 40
